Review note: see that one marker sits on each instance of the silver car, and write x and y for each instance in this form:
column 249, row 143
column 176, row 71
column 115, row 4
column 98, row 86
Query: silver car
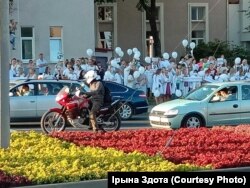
column 226, row 103
column 39, row 98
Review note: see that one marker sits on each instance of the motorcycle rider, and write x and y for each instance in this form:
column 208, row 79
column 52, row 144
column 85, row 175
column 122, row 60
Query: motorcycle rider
column 97, row 93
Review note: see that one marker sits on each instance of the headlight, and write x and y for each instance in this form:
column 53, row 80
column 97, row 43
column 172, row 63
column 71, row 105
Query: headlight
column 152, row 110
column 171, row 112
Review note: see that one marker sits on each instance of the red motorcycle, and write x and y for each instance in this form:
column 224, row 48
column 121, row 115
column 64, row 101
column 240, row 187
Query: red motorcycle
column 75, row 111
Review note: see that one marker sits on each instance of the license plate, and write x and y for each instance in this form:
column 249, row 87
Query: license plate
column 154, row 118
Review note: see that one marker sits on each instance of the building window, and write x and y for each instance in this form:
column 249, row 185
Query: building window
column 55, row 44
column 198, row 22
column 105, row 13
column 27, row 40
column 198, row 36
column 105, row 39
column 198, row 13
column 105, row 26
column 157, row 14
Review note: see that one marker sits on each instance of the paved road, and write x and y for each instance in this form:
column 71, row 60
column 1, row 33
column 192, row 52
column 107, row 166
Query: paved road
column 138, row 121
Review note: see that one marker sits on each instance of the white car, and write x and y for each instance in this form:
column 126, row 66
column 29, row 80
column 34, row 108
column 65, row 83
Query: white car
column 205, row 106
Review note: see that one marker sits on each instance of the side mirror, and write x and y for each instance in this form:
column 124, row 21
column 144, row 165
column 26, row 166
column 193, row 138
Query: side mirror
column 11, row 94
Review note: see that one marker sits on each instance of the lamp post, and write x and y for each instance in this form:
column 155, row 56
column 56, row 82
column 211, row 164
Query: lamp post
column 4, row 76
column 151, row 46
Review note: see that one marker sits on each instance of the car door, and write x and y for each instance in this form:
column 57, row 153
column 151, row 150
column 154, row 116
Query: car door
column 21, row 105
column 225, row 112
column 245, row 101
column 46, row 96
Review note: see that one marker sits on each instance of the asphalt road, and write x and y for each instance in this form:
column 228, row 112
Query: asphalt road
column 136, row 122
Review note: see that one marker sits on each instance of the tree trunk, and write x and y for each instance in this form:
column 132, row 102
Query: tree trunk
column 152, row 21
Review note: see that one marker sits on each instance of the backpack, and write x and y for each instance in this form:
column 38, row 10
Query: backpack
column 107, row 95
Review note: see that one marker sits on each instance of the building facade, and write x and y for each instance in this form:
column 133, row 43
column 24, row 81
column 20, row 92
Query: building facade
column 58, row 28
column 65, row 29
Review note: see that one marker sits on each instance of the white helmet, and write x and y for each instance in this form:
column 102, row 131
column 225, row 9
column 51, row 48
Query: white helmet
column 90, row 76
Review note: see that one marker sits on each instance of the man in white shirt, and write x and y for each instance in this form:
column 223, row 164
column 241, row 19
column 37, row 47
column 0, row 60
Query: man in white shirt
column 41, row 63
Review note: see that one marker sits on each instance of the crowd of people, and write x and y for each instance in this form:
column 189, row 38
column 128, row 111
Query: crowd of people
column 162, row 79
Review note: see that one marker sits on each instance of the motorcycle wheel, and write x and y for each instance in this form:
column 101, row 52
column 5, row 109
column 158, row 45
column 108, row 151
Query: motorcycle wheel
column 52, row 121
column 112, row 123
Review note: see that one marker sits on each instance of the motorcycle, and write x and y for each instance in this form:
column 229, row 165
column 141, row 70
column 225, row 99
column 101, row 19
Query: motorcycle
column 75, row 111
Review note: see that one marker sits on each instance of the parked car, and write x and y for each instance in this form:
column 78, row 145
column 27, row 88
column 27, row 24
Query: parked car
column 42, row 93
column 225, row 103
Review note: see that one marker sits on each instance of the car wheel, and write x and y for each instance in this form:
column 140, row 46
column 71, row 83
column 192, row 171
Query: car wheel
column 192, row 121
column 126, row 111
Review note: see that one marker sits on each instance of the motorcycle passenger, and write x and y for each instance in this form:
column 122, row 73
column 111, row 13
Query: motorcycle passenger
column 97, row 93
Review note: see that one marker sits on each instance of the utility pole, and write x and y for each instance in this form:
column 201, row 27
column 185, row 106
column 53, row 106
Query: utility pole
column 4, row 75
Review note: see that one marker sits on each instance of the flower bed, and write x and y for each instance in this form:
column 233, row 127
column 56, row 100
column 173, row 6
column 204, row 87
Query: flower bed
column 43, row 159
column 218, row 147
column 34, row 158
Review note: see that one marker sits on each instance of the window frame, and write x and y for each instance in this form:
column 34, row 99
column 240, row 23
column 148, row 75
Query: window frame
column 57, row 38
column 100, row 22
column 191, row 22
column 32, row 39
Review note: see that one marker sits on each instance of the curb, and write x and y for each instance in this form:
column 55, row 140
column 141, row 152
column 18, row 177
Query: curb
column 103, row 183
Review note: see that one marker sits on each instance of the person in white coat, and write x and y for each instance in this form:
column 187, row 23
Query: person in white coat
column 157, row 87
column 149, row 72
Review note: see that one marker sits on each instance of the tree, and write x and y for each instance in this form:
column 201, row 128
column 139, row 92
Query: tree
column 149, row 6
column 217, row 47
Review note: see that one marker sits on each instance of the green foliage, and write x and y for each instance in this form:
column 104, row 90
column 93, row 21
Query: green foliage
column 217, row 47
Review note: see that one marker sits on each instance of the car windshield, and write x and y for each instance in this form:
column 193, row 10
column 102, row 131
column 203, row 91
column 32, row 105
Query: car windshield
column 201, row 93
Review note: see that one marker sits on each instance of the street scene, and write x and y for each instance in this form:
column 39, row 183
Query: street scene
column 92, row 91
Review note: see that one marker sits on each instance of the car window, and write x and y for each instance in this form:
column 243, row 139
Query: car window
column 201, row 92
column 24, row 90
column 115, row 87
column 245, row 92
column 226, row 94
column 73, row 86
column 49, row 88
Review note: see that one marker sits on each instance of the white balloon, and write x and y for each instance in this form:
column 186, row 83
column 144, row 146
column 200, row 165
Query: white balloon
column 89, row 52
column 135, row 50
column 174, row 55
column 129, row 51
column 165, row 55
column 157, row 93
column 121, row 54
column 192, row 45
column 136, row 74
column 178, row 93
column 185, row 43
column 139, row 53
column 147, row 59
column 137, row 56
column 141, row 70
column 113, row 63
column 237, row 60
column 118, row 50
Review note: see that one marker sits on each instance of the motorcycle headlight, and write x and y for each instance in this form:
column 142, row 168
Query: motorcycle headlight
column 172, row 112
